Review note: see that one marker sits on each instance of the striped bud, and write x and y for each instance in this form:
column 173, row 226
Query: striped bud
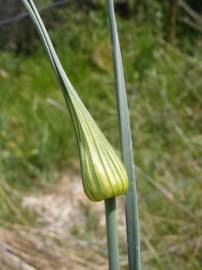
column 103, row 174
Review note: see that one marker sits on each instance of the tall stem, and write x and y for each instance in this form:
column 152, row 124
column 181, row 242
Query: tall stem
column 112, row 234
column 126, row 146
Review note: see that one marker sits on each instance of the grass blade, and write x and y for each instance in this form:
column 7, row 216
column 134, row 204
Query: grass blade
column 126, row 146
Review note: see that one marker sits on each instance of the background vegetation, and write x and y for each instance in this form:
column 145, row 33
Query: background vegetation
column 162, row 52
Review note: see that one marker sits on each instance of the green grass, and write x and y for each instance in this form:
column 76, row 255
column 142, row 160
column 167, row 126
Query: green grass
column 164, row 88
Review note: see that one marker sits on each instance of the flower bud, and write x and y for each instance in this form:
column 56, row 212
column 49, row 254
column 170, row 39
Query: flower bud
column 103, row 173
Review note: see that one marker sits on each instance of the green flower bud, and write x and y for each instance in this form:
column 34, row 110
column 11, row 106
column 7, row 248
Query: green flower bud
column 103, row 174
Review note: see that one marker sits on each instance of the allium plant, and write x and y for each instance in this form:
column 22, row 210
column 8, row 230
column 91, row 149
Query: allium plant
column 103, row 174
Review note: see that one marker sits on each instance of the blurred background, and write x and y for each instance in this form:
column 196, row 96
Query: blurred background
column 46, row 222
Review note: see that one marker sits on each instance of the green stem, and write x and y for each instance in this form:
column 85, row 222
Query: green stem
column 126, row 146
column 112, row 234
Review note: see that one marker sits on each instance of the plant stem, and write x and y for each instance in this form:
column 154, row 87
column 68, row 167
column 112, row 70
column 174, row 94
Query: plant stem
column 126, row 146
column 112, row 234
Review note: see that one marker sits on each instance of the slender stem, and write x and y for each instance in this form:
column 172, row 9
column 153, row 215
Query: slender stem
column 126, row 146
column 112, row 234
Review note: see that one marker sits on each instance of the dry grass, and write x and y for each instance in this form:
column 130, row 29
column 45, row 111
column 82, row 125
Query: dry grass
column 58, row 237
column 49, row 243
